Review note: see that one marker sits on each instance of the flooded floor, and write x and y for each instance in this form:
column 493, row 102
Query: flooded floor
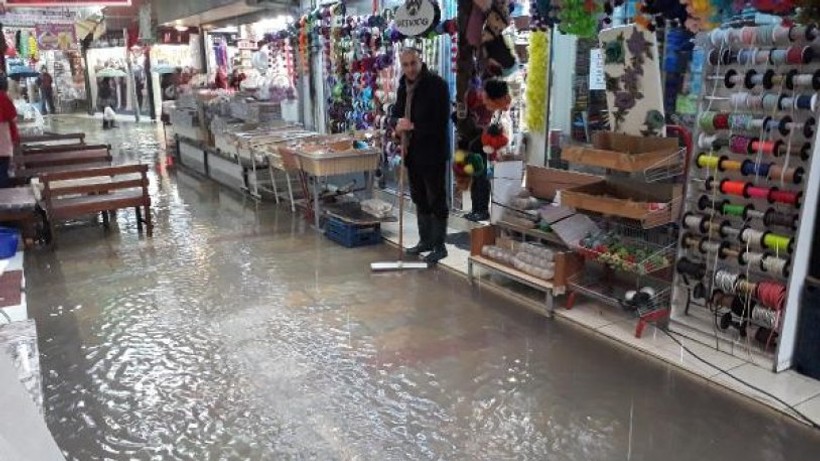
column 237, row 333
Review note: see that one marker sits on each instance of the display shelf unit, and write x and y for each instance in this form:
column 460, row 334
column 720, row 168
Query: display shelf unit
column 606, row 287
column 647, row 228
column 752, row 193
column 566, row 265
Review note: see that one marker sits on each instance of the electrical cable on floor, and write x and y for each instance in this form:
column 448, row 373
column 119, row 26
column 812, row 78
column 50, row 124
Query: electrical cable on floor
column 791, row 408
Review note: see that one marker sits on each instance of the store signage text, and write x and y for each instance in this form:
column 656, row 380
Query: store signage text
column 415, row 17
column 64, row 3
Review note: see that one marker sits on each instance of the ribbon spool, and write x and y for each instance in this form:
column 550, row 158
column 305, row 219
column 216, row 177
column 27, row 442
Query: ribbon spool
column 774, row 265
column 740, row 211
column 727, row 231
column 778, row 243
column 773, row 217
column 764, row 317
column 771, row 295
column 741, row 144
column 752, row 79
column 696, row 223
column 689, row 268
column 803, row 33
column 750, row 258
column 727, row 282
column 759, row 193
column 792, row 175
column 752, row 237
column 785, row 197
column 796, row 55
column 737, row 188
column 728, row 301
column 708, row 161
column 706, row 203
column 730, row 165
column 794, row 79
column 765, row 147
column 752, row 168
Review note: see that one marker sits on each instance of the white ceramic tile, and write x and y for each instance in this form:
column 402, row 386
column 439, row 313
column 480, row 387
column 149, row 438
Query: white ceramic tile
column 788, row 386
column 811, row 409
column 15, row 262
column 589, row 314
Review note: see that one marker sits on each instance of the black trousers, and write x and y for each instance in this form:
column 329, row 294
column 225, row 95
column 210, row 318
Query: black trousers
column 428, row 189
column 4, row 171
column 480, row 194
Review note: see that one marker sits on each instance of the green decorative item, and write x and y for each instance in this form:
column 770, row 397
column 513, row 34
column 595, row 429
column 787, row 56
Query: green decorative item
column 579, row 17
column 614, row 51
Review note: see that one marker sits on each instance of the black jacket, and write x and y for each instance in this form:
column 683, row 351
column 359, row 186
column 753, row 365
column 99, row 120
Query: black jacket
column 430, row 143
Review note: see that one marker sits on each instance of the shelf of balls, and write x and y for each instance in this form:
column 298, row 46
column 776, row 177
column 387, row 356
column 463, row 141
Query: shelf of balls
column 641, row 296
column 626, row 254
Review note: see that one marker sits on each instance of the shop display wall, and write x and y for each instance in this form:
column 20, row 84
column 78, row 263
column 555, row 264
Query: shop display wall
column 752, row 192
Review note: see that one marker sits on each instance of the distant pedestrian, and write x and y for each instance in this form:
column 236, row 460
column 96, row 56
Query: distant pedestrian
column 46, row 85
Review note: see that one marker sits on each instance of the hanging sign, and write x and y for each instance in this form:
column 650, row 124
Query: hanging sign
column 65, row 3
column 56, row 36
column 416, row 17
column 30, row 18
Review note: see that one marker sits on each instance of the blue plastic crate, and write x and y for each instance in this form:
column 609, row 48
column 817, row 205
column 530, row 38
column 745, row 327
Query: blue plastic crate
column 352, row 235
column 9, row 240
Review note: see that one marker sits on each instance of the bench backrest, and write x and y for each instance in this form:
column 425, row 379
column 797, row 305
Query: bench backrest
column 56, row 159
column 40, row 149
column 94, row 181
column 26, row 141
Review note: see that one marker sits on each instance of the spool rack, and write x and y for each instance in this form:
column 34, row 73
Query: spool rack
column 752, row 192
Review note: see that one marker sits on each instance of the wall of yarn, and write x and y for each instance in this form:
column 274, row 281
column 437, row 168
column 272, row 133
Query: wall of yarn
column 756, row 135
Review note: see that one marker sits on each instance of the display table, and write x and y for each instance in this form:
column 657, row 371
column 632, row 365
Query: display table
column 315, row 163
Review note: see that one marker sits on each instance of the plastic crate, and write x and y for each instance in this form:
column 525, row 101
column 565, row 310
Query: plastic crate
column 352, row 235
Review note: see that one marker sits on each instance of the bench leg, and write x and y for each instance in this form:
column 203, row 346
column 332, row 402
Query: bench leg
column 149, row 223
column 106, row 222
column 139, row 218
column 53, row 231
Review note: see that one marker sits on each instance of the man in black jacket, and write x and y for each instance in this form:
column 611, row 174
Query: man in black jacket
column 422, row 114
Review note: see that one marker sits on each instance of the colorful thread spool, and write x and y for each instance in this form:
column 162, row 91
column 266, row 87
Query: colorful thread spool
column 765, row 147
column 794, row 80
column 792, row 175
column 751, row 168
column 786, row 197
column 740, row 144
column 773, row 217
column 803, row 33
column 752, row 237
column 778, row 243
column 729, row 165
column 708, row 161
column 758, row 193
column 737, row 188
column 729, row 209
column 796, row 55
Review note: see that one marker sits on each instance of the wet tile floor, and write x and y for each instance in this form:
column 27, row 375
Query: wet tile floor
column 237, row 333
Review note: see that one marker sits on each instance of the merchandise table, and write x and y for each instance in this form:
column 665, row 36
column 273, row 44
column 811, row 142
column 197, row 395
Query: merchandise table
column 316, row 164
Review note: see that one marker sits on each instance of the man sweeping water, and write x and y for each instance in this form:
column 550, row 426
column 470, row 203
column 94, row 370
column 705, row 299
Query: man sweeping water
column 422, row 114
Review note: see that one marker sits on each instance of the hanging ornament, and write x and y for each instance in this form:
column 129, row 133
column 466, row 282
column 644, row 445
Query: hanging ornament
column 497, row 95
column 494, row 140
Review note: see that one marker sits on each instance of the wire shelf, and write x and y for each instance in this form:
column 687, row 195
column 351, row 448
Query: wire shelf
column 607, row 289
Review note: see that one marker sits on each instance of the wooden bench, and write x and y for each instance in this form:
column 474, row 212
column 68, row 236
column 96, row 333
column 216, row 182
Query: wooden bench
column 47, row 137
column 30, row 165
column 41, row 149
column 101, row 190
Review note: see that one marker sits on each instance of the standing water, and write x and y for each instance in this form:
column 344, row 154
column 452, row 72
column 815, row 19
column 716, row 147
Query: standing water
column 237, row 333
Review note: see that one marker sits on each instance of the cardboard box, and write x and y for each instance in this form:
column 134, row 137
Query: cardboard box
column 544, row 182
column 651, row 204
column 623, row 152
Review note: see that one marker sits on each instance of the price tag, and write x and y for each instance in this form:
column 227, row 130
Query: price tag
column 597, row 81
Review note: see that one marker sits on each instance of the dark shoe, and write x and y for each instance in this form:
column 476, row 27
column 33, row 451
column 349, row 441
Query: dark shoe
column 437, row 236
column 438, row 253
column 425, row 244
column 477, row 216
